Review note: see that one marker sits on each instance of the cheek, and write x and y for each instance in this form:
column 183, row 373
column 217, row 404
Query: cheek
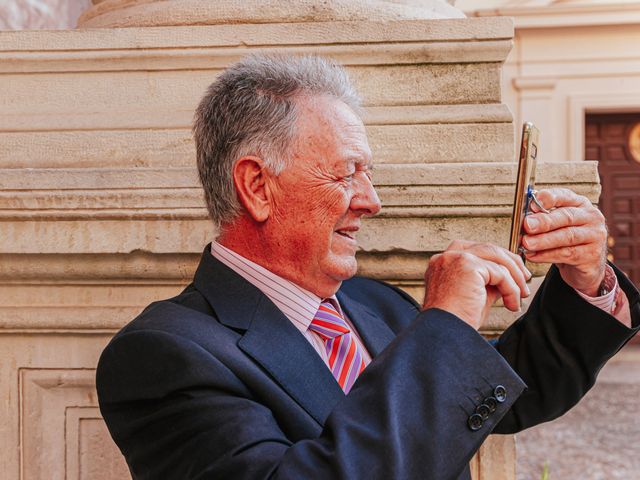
column 332, row 204
column 308, row 221
column 323, row 207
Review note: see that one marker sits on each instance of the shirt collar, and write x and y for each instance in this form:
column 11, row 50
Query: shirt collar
column 296, row 303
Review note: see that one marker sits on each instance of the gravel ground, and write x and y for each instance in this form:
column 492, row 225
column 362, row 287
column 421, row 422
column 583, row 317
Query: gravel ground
column 599, row 439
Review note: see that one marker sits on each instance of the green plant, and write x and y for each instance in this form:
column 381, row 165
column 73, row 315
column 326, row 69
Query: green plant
column 545, row 472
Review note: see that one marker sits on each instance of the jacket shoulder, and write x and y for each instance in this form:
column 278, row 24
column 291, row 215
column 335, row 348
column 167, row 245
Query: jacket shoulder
column 189, row 311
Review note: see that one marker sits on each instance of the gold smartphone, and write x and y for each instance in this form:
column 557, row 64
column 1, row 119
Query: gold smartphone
column 525, row 184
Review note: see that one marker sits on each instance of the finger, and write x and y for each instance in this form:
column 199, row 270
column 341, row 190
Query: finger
column 492, row 297
column 504, row 257
column 499, row 277
column 459, row 245
column 564, row 237
column 560, row 217
column 560, row 197
column 570, row 255
column 495, row 253
column 533, row 208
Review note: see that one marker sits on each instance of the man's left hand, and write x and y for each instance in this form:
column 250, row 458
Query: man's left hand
column 573, row 235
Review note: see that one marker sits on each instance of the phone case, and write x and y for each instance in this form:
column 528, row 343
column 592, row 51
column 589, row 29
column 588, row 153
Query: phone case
column 525, row 184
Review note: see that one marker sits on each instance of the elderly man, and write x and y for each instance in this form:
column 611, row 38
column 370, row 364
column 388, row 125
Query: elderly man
column 276, row 362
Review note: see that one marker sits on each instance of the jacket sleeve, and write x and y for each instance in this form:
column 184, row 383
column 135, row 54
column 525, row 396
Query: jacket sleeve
column 558, row 347
column 177, row 412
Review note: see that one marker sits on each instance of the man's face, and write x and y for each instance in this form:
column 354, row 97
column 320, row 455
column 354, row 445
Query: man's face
column 318, row 201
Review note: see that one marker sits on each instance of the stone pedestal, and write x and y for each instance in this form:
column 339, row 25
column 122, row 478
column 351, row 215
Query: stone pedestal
column 154, row 13
column 102, row 213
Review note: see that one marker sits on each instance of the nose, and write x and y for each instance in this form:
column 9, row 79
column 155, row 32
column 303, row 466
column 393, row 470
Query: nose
column 365, row 199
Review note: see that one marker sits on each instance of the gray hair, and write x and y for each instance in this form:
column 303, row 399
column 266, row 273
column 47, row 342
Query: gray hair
column 251, row 109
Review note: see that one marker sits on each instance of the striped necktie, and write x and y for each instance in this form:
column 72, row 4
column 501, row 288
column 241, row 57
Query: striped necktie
column 345, row 356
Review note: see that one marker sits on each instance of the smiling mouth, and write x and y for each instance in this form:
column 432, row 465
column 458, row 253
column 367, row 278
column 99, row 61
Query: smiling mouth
column 348, row 233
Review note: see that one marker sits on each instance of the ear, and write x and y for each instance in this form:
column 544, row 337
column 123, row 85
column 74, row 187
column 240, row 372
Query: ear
column 250, row 179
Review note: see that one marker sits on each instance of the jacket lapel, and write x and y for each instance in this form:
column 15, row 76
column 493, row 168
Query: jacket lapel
column 375, row 334
column 272, row 341
column 269, row 337
column 282, row 350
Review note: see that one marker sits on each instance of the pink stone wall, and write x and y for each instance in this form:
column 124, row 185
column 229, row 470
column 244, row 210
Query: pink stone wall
column 41, row 14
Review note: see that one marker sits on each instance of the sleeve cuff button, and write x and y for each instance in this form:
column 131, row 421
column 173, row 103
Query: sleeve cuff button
column 500, row 393
column 483, row 411
column 492, row 403
column 475, row 422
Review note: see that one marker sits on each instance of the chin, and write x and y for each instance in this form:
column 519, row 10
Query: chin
column 345, row 268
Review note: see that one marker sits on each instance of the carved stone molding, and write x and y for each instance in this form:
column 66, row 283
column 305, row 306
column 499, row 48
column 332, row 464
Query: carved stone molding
column 59, row 419
column 88, row 248
column 217, row 58
column 562, row 14
column 90, row 452
column 165, row 212
column 148, row 13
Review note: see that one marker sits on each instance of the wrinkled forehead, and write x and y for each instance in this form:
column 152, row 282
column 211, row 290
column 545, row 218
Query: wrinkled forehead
column 329, row 126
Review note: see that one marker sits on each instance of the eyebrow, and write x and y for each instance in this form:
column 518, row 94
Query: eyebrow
column 362, row 160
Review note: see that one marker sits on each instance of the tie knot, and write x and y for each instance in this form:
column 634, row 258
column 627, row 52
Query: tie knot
column 328, row 322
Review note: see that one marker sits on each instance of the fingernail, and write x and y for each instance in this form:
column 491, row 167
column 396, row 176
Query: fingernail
column 526, row 289
column 532, row 223
column 529, row 274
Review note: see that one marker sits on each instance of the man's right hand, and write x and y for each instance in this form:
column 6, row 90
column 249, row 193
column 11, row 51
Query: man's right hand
column 468, row 277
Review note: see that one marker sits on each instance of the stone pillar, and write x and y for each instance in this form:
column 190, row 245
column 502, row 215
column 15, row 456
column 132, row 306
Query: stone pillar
column 102, row 212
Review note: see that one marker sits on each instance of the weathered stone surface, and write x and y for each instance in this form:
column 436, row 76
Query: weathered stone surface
column 151, row 13
column 48, row 393
column 489, row 142
column 95, row 184
column 164, row 212
column 490, row 463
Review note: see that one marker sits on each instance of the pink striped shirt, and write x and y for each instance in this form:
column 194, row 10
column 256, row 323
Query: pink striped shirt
column 296, row 303
column 608, row 301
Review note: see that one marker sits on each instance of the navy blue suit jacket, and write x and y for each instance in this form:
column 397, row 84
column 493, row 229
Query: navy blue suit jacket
column 216, row 383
